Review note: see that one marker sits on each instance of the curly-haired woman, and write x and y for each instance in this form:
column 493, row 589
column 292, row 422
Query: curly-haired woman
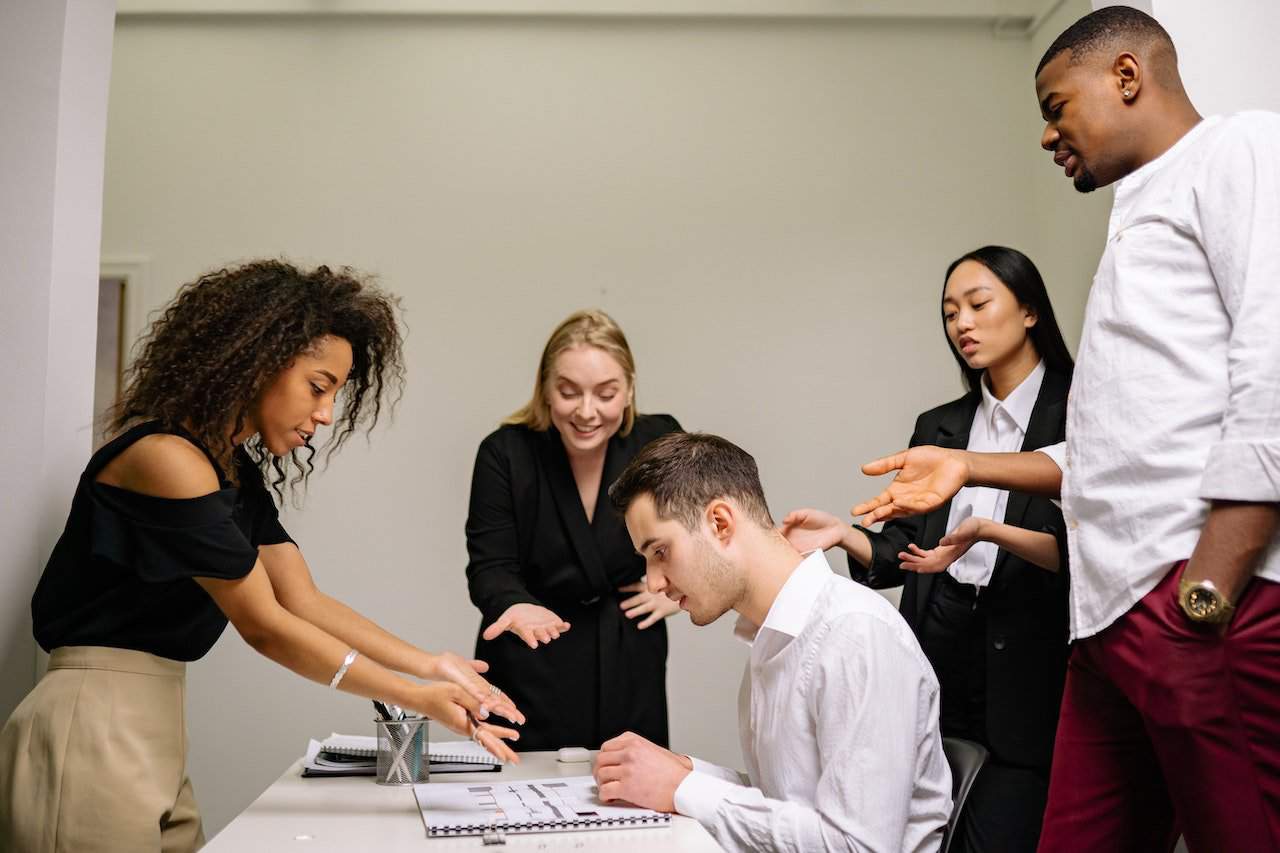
column 173, row 532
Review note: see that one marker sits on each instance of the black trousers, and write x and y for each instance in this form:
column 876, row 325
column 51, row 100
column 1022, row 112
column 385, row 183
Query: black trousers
column 1005, row 808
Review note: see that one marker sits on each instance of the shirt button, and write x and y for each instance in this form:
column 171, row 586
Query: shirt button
column 1073, row 524
column 998, row 643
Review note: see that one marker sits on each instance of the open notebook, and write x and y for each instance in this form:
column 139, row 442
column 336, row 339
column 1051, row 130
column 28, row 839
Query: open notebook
column 566, row 803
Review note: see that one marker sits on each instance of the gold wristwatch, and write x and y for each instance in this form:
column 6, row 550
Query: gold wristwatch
column 1202, row 602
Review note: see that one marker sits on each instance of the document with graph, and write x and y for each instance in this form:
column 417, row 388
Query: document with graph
column 565, row 803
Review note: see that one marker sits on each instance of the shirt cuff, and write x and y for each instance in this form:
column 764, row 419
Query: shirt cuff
column 1242, row 471
column 727, row 773
column 700, row 794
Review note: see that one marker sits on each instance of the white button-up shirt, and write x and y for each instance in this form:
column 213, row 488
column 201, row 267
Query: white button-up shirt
column 999, row 426
column 838, row 715
column 1176, row 395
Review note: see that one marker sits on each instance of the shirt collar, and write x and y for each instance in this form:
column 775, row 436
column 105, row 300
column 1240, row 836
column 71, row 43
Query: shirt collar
column 1019, row 403
column 1138, row 178
column 790, row 610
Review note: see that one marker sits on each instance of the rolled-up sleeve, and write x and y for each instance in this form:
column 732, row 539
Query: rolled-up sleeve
column 1239, row 224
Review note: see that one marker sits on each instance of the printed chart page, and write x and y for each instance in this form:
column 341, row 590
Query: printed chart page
column 538, row 805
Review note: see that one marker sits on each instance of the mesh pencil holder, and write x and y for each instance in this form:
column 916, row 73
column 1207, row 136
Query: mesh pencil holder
column 402, row 751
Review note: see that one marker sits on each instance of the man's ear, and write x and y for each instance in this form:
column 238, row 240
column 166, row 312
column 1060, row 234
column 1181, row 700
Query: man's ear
column 721, row 520
column 1127, row 74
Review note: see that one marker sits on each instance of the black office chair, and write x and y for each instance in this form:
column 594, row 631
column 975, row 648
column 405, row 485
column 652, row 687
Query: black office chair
column 965, row 758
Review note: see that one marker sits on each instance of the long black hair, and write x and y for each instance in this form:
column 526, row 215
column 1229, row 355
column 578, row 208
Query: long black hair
column 1022, row 278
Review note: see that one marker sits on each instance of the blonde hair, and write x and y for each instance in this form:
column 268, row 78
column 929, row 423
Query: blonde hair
column 591, row 328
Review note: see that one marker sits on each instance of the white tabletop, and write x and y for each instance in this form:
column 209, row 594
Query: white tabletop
column 355, row 813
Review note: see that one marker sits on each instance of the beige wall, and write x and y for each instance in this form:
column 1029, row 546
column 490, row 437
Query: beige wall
column 54, row 60
column 766, row 207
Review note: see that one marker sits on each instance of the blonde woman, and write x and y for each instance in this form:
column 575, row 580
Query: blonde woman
column 566, row 623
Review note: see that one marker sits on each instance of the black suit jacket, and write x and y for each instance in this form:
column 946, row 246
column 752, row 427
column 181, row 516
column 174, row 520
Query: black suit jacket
column 1026, row 606
column 529, row 540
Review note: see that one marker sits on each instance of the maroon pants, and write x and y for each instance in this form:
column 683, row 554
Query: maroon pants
column 1168, row 727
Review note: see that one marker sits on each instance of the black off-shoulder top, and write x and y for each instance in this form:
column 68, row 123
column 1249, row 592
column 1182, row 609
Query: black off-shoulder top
column 122, row 574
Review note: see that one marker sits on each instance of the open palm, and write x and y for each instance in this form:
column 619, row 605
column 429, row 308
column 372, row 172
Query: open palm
column 927, row 478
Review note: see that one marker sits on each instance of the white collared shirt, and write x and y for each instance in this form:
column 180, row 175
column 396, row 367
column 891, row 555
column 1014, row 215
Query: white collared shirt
column 999, row 426
column 838, row 716
column 1176, row 395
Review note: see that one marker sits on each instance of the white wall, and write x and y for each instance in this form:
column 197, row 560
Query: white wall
column 766, row 207
column 1227, row 58
column 54, row 63
column 1071, row 227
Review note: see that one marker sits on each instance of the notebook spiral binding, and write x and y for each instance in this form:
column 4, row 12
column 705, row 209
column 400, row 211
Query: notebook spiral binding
column 544, row 825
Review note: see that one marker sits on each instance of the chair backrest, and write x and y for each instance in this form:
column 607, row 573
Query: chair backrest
column 965, row 758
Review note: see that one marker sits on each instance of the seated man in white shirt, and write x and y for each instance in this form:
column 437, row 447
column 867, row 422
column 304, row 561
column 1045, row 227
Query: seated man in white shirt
column 838, row 712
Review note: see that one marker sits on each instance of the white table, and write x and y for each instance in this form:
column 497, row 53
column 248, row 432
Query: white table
column 354, row 813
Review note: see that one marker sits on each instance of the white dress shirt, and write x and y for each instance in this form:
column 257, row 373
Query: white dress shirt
column 1176, row 395
column 838, row 715
column 999, row 426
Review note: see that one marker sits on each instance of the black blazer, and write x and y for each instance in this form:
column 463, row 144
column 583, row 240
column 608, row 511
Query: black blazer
column 529, row 540
column 1026, row 606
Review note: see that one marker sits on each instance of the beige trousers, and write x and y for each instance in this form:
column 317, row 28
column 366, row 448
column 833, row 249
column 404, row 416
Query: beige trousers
column 94, row 759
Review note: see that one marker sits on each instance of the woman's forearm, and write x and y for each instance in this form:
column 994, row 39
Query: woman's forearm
column 357, row 631
column 1035, row 472
column 1040, row 549
column 313, row 653
column 858, row 544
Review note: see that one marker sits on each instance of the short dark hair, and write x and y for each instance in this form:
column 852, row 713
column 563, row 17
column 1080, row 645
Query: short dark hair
column 1020, row 275
column 1103, row 28
column 685, row 471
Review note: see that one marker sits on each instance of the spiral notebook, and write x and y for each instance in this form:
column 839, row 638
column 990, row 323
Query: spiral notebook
column 451, row 752
column 353, row 755
column 563, row 804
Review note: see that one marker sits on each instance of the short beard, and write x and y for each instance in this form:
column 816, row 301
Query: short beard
column 1084, row 181
column 721, row 583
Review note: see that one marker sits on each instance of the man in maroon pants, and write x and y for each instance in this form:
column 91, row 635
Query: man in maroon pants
column 1170, row 474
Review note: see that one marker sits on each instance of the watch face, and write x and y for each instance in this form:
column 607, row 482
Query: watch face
column 1202, row 603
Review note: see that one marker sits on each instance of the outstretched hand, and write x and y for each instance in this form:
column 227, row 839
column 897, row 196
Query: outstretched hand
column 950, row 548
column 532, row 623
column 927, row 478
column 653, row 606
column 465, row 673
column 966, row 533
column 455, row 708
column 931, row 562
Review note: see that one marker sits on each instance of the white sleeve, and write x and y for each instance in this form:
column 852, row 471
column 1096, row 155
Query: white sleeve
column 873, row 705
column 1058, row 453
column 1239, row 227
column 706, row 767
column 702, row 790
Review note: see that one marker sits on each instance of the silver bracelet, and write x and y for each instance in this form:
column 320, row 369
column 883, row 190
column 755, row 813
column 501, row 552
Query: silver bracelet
column 342, row 670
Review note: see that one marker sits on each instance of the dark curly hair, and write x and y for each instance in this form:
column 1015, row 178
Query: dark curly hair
column 226, row 335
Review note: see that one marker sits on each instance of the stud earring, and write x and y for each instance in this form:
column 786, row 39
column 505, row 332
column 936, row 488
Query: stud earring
column 1128, row 94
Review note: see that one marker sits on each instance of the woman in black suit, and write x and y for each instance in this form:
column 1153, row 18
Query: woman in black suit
column 988, row 602
column 567, row 624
